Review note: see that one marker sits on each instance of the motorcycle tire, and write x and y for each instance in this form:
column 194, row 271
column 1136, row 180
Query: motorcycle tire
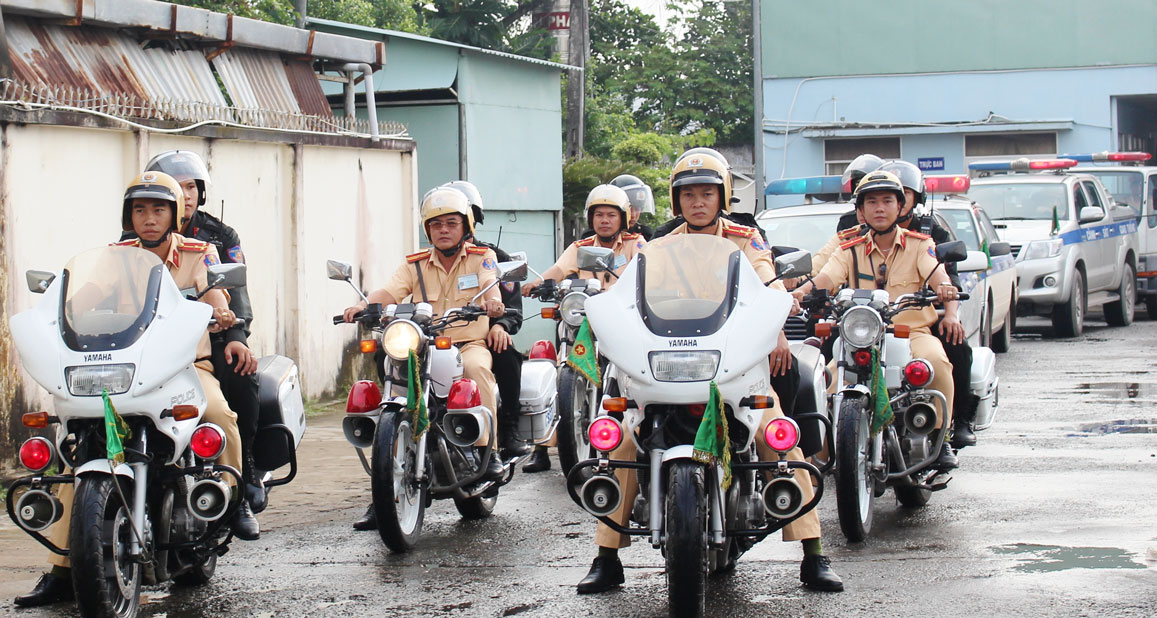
column 573, row 442
column 105, row 579
column 478, row 507
column 200, row 574
column 399, row 499
column 855, row 485
column 686, row 522
column 912, row 497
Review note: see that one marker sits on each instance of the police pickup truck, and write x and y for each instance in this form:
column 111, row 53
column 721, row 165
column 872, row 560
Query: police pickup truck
column 1075, row 246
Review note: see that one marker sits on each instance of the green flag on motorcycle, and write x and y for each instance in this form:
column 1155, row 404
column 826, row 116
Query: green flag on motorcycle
column 882, row 411
column 115, row 431
column 582, row 355
column 711, row 441
column 415, row 402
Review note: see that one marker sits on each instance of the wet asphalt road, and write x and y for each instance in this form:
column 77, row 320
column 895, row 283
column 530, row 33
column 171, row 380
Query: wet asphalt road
column 1053, row 513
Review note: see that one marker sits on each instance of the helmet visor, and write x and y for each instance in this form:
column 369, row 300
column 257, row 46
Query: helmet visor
column 155, row 192
column 697, row 177
column 180, row 165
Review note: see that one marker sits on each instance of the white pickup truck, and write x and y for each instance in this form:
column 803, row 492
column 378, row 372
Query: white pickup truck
column 1075, row 247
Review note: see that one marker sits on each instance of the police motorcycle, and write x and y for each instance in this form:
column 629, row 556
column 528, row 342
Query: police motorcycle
column 411, row 465
column 578, row 397
column 113, row 332
column 897, row 453
column 687, row 313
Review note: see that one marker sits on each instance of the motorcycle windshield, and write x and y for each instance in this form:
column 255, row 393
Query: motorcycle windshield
column 110, row 297
column 687, row 284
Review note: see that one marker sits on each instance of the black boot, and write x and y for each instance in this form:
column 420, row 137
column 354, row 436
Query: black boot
column 962, row 436
column 245, row 526
column 539, row 461
column 254, row 487
column 962, row 420
column 494, row 468
column 605, row 573
column 947, row 460
column 369, row 521
column 816, row 573
column 49, row 589
column 511, row 445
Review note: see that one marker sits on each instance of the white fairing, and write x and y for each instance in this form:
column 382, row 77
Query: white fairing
column 985, row 385
column 445, row 368
column 744, row 341
column 162, row 355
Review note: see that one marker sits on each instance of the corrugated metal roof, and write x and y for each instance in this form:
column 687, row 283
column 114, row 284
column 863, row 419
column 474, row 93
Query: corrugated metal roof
column 256, row 80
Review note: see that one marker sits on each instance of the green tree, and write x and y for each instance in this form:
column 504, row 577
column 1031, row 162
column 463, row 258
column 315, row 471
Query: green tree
column 502, row 25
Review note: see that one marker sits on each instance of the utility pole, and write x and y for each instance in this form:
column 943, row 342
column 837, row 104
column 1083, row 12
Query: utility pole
column 576, row 80
column 757, row 104
column 300, row 6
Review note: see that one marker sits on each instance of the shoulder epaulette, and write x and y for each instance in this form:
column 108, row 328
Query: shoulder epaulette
column 917, row 235
column 741, row 231
column 415, row 257
column 850, row 232
column 585, row 242
column 853, row 242
column 470, row 250
column 195, row 246
column 628, row 236
column 126, row 243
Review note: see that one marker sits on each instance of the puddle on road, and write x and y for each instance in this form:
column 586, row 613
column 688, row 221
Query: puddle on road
column 1128, row 425
column 1117, row 390
column 1051, row 558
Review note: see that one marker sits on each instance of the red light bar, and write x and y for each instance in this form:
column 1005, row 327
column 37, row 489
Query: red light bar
column 947, row 184
column 1098, row 157
column 1020, row 165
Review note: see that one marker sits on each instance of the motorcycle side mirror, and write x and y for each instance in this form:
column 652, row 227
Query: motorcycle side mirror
column 951, row 252
column 227, row 276
column 518, row 256
column 338, row 271
column 39, row 280
column 511, row 271
column 999, row 248
column 794, row 264
column 596, row 259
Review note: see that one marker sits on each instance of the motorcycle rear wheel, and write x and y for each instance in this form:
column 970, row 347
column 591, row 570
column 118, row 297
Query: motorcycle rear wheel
column 573, row 442
column 399, row 500
column 478, row 507
column 855, row 489
column 686, row 539
column 106, row 580
column 912, row 497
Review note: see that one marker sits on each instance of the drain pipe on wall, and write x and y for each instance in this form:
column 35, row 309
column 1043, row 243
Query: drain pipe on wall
column 371, row 105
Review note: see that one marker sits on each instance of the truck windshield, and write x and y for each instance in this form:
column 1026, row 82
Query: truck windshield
column 1125, row 187
column 1022, row 201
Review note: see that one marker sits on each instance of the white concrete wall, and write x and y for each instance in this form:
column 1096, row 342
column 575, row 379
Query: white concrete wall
column 293, row 206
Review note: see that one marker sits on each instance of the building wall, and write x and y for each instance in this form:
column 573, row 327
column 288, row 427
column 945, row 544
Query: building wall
column 294, row 207
column 852, row 37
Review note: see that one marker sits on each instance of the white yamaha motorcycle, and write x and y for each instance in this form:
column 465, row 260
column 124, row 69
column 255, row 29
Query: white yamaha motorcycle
column 115, row 323
column 688, row 311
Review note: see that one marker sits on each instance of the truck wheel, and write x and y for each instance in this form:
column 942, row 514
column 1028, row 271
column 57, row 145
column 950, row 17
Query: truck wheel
column 1002, row 340
column 1069, row 317
column 1120, row 312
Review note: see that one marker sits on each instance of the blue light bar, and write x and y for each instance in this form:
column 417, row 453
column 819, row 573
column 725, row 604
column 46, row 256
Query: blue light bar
column 1098, row 157
column 1022, row 165
column 808, row 185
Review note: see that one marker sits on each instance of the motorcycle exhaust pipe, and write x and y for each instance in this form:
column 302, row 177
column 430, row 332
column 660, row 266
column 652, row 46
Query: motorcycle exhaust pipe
column 37, row 510
column 601, row 495
column 921, row 418
column 783, row 498
column 464, row 427
column 360, row 429
column 209, row 499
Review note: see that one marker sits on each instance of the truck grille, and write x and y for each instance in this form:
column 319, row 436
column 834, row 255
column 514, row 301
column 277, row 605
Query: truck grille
column 1016, row 250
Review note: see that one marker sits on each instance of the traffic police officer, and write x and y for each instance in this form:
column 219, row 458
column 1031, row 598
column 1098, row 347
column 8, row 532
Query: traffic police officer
column 700, row 192
column 448, row 275
column 899, row 261
column 741, row 218
column 606, row 213
column 151, row 208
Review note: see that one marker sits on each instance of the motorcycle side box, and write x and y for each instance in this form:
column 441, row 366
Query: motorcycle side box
column 536, row 399
column 279, row 395
column 811, row 431
column 984, row 384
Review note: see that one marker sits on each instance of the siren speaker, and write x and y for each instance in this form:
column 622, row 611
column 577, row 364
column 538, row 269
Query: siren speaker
column 601, row 495
column 783, row 498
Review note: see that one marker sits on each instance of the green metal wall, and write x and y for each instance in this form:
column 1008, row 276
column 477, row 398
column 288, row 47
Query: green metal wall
column 435, row 129
column 852, row 37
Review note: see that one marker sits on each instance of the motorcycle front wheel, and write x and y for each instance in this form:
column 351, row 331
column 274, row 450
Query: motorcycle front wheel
column 573, row 442
column 854, row 482
column 105, row 578
column 686, row 539
column 399, row 499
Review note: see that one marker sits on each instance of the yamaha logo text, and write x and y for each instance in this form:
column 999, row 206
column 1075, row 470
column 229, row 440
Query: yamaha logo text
column 97, row 358
column 684, row 343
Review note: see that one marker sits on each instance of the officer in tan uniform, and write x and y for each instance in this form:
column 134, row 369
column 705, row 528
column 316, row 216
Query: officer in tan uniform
column 895, row 259
column 700, row 192
column 152, row 204
column 448, row 275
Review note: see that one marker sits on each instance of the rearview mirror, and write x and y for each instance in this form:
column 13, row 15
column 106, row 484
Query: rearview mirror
column 511, row 271
column 338, row 271
column 951, row 252
column 999, row 248
column 596, row 259
column 39, row 280
column 976, row 260
column 794, row 264
column 227, row 276
column 1091, row 213
column 518, row 256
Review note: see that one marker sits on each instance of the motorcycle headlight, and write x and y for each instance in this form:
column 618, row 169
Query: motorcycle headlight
column 861, row 326
column 1038, row 249
column 571, row 308
column 399, row 338
column 684, row 365
column 91, row 380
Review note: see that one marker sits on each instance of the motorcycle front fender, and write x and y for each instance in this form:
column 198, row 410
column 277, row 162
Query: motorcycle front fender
column 104, row 466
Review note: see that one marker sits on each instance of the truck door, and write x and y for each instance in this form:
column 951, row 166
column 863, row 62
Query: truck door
column 1101, row 248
